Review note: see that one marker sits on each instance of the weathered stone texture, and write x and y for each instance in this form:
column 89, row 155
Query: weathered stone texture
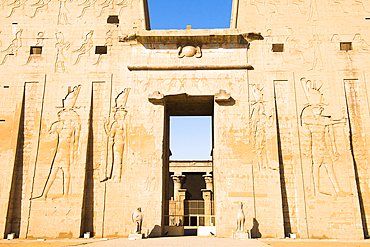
column 85, row 102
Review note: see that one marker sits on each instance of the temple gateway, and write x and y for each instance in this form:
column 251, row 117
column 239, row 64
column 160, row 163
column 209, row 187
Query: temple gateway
column 87, row 91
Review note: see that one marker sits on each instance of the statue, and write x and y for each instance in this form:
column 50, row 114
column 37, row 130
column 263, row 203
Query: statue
column 240, row 219
column 137, row 218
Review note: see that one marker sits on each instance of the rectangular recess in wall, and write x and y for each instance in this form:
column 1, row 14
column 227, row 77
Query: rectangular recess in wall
column 35, row 50
column 2, row 120
column 345, row 46
column 277, row 47
column 6, row 86
column 113, row 19
column 101, row 50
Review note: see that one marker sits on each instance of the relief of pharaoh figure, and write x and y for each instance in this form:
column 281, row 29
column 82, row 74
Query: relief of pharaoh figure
column 324, row 152
column 67, row 131
column 115, row 129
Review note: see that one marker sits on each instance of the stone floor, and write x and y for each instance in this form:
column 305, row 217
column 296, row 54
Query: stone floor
column 185, row 242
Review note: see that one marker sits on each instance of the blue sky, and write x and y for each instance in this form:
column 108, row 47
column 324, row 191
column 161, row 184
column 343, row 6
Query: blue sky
column 190, row 137
column 200, row 14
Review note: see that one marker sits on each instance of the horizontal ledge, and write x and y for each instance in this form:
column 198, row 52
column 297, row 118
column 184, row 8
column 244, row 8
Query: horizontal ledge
column 189, row 67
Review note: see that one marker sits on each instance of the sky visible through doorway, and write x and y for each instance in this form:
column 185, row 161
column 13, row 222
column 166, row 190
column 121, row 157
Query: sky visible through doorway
column 190, row 137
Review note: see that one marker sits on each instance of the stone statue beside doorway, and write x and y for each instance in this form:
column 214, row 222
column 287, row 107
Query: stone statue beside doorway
column 137, row 218
column 240, row 219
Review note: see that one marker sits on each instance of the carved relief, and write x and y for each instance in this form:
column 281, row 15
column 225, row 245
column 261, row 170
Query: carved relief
column 85, row 47
column 324, row 153
column 13, row 47
column 189, row 51
column 116, row 131
column 362, row 5
column 108, row 44
column 106, row 4
column 259, row 122
column 87, row 4
column 341, row 4
column 63, row 12
column 60, row 45
column 123, row 4
column 359, row 44
column 16, row 5
column 39, row 5
column 39, row 43
column 258, row 4
column 67, row 131
column 315, row 43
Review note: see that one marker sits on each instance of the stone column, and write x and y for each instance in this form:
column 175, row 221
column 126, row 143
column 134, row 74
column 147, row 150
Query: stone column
column 177, row 181
column 207, row 197
column 179, row 196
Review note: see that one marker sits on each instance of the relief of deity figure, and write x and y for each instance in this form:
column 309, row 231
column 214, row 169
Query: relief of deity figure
column 259, row 121
column 324, row 152
column 67, row 131
column 115, row 129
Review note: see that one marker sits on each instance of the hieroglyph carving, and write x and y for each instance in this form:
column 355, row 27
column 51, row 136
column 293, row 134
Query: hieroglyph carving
column 86, row 5
column 16, row 5
column 315, row 44
column 63, row 12
column 324, row 152
column 116, row 131
column 39, row 43
column 60, row 45
column 13, row 47
column 40, row 5
column 85, row 47
column 67, row 131
column 359, row 44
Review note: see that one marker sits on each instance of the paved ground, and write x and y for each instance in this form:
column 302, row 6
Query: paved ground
column 185, row 242
column 316, row 243
column 151, row 242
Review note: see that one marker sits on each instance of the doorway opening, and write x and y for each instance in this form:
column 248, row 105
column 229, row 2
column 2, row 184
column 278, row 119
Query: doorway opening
column 188, row 167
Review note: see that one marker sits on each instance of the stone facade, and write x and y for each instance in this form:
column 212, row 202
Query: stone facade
column 86, row 95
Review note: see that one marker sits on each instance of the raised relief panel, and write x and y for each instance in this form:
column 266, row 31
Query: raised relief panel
column 263, row 150
column 291, row 170
column 358, row 114
column 326, row 159
column 59, row 175
column 16, row 173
